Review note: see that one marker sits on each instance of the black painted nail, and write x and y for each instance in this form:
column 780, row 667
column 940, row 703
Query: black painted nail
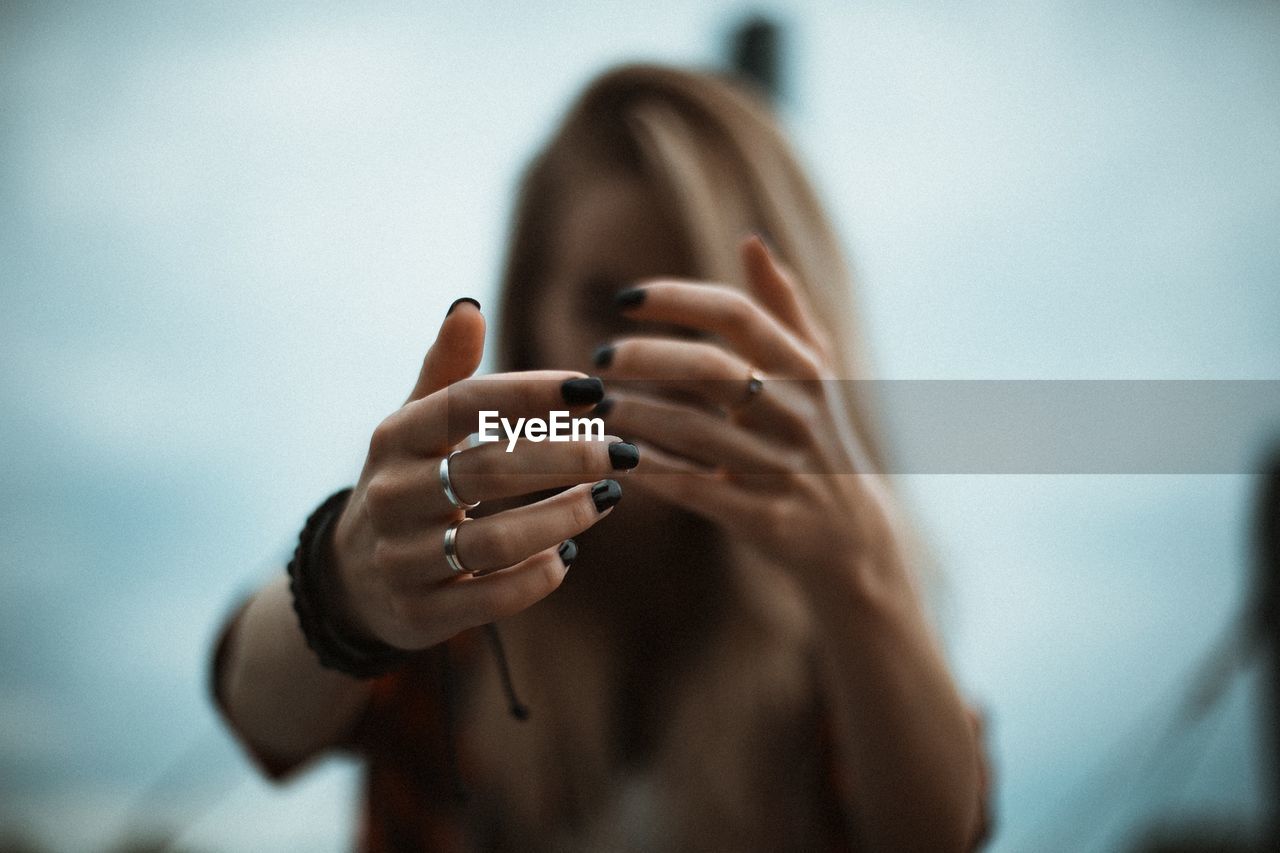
column 568, row 552
column 606, row 493
column 463, row 299
column 629, row 298
column 603, row 356
column 581, row 391
column 623, row 456
column 603, row 408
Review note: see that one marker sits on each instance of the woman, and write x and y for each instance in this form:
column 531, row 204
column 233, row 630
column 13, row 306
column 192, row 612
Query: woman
column 739, row 659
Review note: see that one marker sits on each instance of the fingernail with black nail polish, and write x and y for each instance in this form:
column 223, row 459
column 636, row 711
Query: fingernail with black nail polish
column 629, row 298
column 603, row 356
column 463, row 299
column 603, row 408
column 582, row 391
column 568, row 552
column 623, row 456
column 605, row 494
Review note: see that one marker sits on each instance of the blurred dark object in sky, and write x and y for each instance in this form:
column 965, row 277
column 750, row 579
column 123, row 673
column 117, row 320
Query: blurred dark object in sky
column 755, row 53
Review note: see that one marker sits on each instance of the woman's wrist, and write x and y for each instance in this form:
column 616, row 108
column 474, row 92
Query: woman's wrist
column 866, row 578
column 340, row 593
column 320, row 602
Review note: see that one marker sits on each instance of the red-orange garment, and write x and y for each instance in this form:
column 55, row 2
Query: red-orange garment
column 414, row 798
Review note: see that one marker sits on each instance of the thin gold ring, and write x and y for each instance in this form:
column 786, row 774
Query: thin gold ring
column 447, row 485
column 451, row 547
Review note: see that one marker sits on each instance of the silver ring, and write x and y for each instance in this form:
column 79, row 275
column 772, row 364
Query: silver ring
column 447, row 485
column 451, row 547
column 755, row 383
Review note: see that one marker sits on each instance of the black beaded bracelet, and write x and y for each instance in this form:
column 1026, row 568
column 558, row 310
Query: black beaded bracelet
column 313, row 584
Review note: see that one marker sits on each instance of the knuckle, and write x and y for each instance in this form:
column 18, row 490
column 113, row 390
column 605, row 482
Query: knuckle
column 588, row 455
column 380, row 495
column 739, row 309
column 487, row 549
column 442, row 409
column 460, row 392
column 718, row 363
column 685, row 421
column 502, row 553
column 797, row 421
column 808, row 366
column 582, row 512
column 385, row 557
column 789, row 463
column 549, row 574
column 526, row 395
column 539, row 580
column 383, row 438
column 824, row 343
column 629, row 353
column 474, row 465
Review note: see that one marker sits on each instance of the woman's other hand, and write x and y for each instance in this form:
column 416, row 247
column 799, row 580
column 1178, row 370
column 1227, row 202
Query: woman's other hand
column 747, row 425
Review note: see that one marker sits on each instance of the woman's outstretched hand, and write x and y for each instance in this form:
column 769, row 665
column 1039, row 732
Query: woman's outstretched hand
column 775, row 462
column 397, row 585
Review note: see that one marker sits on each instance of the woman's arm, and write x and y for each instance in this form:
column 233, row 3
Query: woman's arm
column 785, row 476
column 274, row 691
column 904, row 738
column 392, row 580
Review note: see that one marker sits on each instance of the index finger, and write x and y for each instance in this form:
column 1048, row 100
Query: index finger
column 435, row 423
column 730, row 314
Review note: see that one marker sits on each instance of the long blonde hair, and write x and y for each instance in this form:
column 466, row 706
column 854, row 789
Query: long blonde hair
column 715, row 155
column 720, row 168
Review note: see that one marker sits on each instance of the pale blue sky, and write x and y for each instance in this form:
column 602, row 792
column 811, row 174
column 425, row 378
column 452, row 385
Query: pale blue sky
column 229, row 232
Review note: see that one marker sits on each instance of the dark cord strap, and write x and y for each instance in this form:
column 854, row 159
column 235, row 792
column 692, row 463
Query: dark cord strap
column 519, row 710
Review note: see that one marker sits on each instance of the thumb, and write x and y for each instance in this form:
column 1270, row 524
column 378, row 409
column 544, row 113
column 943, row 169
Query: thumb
column 457, row 351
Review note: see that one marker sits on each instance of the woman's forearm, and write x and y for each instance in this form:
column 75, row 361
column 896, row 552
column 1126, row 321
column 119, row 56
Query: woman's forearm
column 903, row 733
column 278, row 696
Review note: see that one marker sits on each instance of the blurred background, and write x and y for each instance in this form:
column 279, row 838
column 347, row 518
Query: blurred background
column 229, row 231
